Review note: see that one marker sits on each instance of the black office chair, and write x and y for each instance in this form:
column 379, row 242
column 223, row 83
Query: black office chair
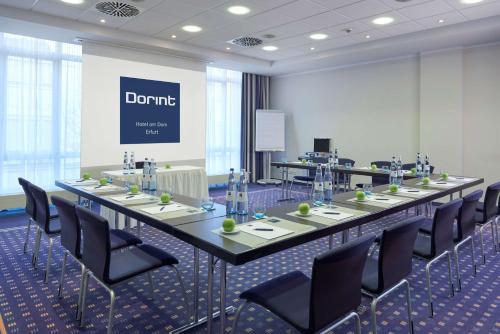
column 489, row 216
column 382, row 179
column 71, row 239
column 316, row 304
column 465, row 230
column 110, row 269
column 388, row 273
column 29, row 208
column 410, row 166
column 435, row 246
column 45, row 225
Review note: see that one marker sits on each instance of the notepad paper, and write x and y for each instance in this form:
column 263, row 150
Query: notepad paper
column 439, row 184
column 322, row 213
column 461, row 179
column 414, row 191
column 381, row 199
column 268, row 235
column 154, row 210
column 82, row 182
column 108, row 187
column 128, row 198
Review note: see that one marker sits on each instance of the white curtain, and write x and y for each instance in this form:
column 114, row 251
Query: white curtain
column 40, row 98
column 223, row 121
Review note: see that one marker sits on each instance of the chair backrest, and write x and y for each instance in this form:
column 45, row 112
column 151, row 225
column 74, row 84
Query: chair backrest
column 30, row 201
column 336, row 282
column 343, row 161
column 442, row 226
column 42, row 216
column 382, row 179
column 466, row 222
column 70, row 225
column 96, row 243
column 413, row 165
column 396, row 251
column 491, row 201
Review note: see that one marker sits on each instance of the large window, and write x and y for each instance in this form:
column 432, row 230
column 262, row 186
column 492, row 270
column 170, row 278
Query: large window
column 223, row 120
column 40, row 98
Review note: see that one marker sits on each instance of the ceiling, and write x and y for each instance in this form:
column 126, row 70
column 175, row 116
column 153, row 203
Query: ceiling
column 290, row 21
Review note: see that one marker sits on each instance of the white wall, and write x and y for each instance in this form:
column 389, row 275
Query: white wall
column 101, row 71
column 443, row 103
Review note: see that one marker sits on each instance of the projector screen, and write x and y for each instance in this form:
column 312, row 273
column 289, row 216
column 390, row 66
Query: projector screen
column 269, row 130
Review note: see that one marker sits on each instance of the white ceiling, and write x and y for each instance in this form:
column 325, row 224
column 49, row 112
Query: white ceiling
column 291, row 21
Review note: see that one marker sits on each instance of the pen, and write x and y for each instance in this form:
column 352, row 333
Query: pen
column 263, row 229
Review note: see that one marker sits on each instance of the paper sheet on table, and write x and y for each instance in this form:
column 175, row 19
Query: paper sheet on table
column 390, row 201
column 461, row 179
column 275, row 233
column 130, row 197
column 410, row 192
column 105, row 188
column 82, row 182
column 154, row 210
column 439, row 184
column 338, row 216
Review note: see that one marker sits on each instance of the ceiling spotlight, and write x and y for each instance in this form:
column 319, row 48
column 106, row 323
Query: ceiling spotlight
column 318, row 36
column 102, row 21
column 74, row 2
column 173, row 36
column 228, row 48
column 312, row 48
column 440, row 21
column 383, row 20
column 270, row 48
column 368, row 36
column 191, row 28
column 238, row 10
column 470, row 2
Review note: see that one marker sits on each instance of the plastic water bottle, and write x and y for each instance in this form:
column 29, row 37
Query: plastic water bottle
column 328, row 184
column 231, row 193
column 399, row 168
column 126, row 165
column 336, row 158
column 132, row 163
column 418, row 165
column 427, row 166
column 145, row 175
column 318, row 194
column 393, row 176
column 152, row 175
column 242, row 197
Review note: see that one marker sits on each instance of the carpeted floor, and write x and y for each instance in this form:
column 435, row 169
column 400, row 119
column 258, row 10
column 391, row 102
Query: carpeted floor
column 27, row 305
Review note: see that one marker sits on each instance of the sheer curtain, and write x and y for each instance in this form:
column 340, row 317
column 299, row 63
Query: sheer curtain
column 40, row 98
column 223, row 120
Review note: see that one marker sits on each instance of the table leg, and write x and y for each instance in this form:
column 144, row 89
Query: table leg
column 127, row 223
column 210, row 292
column 345, row 182
column 460, row 193
column 283, row 183
column 330, row 241
column 196, row 282
column 223, row 270
column 451, row 197
column 117, row 219
column 345, row 236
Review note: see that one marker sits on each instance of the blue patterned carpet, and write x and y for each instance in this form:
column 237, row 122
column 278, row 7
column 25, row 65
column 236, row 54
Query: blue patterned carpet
column 30, row 306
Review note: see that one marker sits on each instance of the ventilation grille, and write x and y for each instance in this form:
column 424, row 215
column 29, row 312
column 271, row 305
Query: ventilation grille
column 118, row 9
column 246, row 41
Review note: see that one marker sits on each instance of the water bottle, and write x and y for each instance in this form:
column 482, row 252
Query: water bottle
column 427, row 166
column 126, row 165
column 145, row 175
column 393, row 176
column 231, row 193
column 318, row 194
column 328, row 184
column 132, row 163
column 336, row 158
column 242, row 200
column 418, row 165
column 152, row 175
column 399, row 168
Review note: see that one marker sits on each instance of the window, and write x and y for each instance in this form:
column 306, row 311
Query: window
column 223, row 120
column 40, row 98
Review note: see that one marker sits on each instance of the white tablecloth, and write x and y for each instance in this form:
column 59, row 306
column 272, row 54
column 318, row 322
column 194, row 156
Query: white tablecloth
column 189, row 181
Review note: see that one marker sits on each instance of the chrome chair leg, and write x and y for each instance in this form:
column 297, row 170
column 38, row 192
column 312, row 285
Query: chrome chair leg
column 450, row 275
column 481, row 238
column 360, row 232
column 36, row 251
column 80, row 293
column 84, row 297
column 408, row 306
column 151, row 284
column 237, row 317
column 473, row 254
column 28, row 229
column 357, row 323
column 373, row 307
column 61, row 281
column 111, row 306
column 49, row 258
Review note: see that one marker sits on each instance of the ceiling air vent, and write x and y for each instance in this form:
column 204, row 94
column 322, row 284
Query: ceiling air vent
column 115, row 8
column 246, row 41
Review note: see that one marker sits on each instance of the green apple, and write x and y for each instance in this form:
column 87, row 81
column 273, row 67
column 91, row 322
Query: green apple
column 228, row 224
column 304, row 208
column 360, row 195
column 134, row 189
column 87, row 176
column 167, row 166
column 444, row 176
column 374, row 167
column 393, row 188
column 425, row 181
column 103, row 181
column 165, row 198
column 304, row 161
column 413, row 171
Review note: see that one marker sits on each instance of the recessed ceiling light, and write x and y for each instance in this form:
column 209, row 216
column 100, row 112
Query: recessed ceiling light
column 440, row 21
column 383, row 20
column 238, row 10
column 228, row 48
column 312, row 48
column 270, row 48
column 173, row 36
column 368, row 36
column 191, row 28
column 102, row 20
column 470, row 2
column 318, row 36
column 74, row 2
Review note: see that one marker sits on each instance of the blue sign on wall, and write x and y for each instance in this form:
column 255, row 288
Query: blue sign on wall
column 149, row 111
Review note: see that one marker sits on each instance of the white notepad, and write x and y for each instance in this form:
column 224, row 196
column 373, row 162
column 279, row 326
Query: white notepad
column 461, row 179
column 382, row 199
column 275, row 233
column 105, row 188
column 439, row 184
column 130, row 197
column 155, row 210
column 414, row 191
column 336, row 214
column 82, row 182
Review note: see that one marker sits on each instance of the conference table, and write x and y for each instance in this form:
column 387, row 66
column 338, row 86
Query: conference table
column 202, row 230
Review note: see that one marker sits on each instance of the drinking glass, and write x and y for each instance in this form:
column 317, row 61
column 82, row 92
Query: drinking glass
column 367, row 188
column 385, row 169
column 208, row 204
column 259, row 212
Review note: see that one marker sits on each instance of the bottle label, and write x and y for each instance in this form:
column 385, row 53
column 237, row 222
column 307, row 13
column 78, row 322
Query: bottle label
column 400, row 173
column 328, row 186
column 242, row 196
column 394, row 173
column 318, row 186
column 229, row 195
